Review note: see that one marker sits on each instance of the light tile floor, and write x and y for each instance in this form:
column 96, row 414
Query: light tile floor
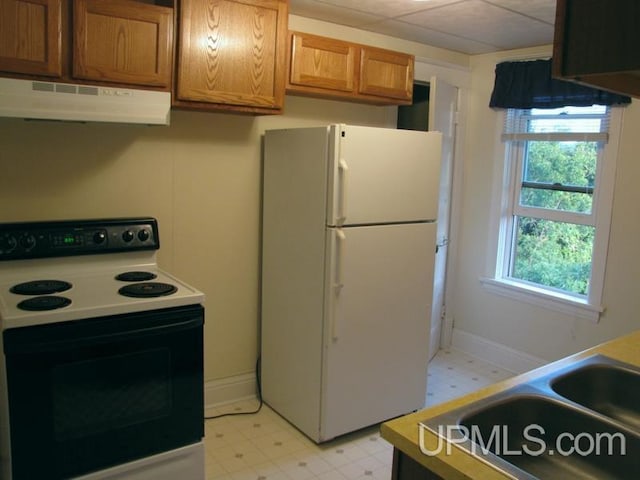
column 263, row 446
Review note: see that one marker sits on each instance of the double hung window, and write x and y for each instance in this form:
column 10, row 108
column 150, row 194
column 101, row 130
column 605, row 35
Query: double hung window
column 557, row 198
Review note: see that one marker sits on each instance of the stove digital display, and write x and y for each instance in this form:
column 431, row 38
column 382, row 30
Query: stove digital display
column 67, row 240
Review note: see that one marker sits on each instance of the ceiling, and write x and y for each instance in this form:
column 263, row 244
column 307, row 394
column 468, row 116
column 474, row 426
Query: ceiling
column 467, row 26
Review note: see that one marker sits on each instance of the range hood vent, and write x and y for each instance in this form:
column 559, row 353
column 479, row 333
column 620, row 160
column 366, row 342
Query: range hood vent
column 82, row 103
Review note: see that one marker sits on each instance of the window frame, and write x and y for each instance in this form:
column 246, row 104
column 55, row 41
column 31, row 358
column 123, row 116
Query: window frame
column 508, row 176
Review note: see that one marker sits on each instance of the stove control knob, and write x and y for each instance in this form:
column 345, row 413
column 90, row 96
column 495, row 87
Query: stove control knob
column 27, row 241
column 127, row 236
column 99, row 237
column 143, row 235
column 8, row 244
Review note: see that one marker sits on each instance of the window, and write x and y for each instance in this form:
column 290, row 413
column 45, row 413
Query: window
column 556, row 205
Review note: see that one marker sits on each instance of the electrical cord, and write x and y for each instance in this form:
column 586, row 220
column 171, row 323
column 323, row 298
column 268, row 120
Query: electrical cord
column 259, row 384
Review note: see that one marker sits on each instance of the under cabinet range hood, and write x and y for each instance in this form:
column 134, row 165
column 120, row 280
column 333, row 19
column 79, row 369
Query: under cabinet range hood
column 34, row 99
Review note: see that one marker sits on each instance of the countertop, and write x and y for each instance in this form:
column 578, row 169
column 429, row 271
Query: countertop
column 403, row 432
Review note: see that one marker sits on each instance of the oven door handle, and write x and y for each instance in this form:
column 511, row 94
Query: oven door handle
column 16, row 342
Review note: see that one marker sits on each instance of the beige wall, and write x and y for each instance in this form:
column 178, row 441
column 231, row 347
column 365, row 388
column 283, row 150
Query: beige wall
column 535, row 330
column 200, row 177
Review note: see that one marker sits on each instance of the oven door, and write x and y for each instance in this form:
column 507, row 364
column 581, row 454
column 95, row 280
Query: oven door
column 90, row 394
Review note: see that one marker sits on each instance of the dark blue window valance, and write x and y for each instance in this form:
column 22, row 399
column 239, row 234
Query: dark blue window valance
column 529, row 85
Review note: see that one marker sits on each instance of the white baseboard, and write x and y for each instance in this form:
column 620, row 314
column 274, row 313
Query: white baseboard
column 231, row 389
column 242, row 387
column 496, row 353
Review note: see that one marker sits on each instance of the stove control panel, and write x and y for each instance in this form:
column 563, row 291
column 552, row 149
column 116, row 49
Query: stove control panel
column 26, row 240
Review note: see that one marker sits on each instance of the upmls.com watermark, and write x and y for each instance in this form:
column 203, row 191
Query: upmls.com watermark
column 531, row 441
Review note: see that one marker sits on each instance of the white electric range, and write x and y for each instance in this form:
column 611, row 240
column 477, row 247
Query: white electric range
column 101, row 354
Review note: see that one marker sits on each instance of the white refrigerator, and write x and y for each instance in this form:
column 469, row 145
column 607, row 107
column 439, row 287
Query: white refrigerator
column 348, row 247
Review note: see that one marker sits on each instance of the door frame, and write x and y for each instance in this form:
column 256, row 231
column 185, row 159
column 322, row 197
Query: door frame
column 459, row 77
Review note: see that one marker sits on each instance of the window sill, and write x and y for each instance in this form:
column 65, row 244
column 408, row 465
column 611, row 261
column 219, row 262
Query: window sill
column 543, row 298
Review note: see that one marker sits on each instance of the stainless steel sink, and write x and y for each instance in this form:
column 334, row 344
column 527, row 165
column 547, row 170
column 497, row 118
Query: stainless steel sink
column 611, row 390
column 547, row 430
column 581, row 421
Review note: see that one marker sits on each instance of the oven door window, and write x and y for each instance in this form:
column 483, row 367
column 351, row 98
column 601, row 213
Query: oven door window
column 89, row 395
column 110, row 393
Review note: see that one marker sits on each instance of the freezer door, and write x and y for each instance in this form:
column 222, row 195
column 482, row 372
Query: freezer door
column 382, row 175
column 377, row 329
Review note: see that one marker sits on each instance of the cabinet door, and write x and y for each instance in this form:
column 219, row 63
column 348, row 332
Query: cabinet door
column 31, row 37
column 322, row 63
column 232, row 53
column 123, row 41
column 596, row 45
column 386, row 74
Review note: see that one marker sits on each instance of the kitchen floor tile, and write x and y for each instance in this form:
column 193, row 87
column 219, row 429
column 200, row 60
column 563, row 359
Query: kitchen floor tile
column 264, row 446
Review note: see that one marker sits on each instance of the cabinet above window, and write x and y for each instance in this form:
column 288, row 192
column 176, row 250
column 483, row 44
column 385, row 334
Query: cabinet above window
column 596, row 44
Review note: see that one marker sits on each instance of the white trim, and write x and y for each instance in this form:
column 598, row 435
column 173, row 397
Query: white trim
column 496, row 353
column 447, row 332
column 556, row 137
column 566, row 216
column 543, row 297
column 455, row 214
column 230, row 389
column 604, row 206
column 459, row 77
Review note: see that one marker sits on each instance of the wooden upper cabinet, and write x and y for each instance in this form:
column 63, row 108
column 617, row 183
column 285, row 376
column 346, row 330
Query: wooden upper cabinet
column 31, row 37
column 122, row 41
column 596, row 44
column 323, row 63
column 231, row 55
column 386, row 74
column 329, row 68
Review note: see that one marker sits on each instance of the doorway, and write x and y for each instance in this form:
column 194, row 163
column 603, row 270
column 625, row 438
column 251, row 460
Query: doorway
column 434, row 108
column 416, row 115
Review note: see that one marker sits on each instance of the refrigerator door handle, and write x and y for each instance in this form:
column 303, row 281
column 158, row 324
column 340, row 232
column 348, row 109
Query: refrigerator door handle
column 341, row 239
column 343, row 173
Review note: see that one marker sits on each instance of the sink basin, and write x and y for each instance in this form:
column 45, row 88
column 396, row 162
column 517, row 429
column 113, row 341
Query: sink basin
column 581, row 421
column 610, row 390
column 538, row 436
